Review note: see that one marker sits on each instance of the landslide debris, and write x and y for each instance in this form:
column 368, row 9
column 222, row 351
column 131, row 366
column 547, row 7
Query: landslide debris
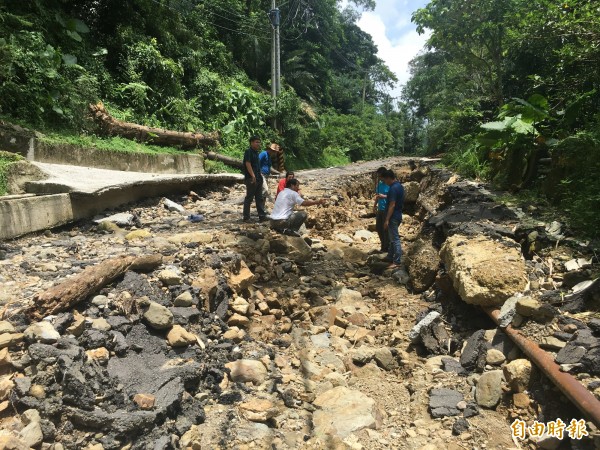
column 243, row 338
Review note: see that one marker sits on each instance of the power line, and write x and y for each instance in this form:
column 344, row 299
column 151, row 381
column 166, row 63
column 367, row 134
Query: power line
column 229, row 11
column 307, row 14
column 212, row 23
column 289, row 14
column 342, row 57
column 243, row 26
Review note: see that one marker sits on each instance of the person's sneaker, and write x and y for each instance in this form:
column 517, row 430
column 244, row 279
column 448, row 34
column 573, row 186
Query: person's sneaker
column 291, row 233
column 263, row 219
column 246, row 219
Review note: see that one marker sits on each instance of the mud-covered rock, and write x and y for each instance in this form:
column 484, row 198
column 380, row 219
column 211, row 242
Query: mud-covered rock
column 158, row 317
column 422, row 262
column 518, row 374
column 294, row 248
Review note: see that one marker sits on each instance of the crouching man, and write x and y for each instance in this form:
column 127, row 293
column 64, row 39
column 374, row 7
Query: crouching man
column 283, row 217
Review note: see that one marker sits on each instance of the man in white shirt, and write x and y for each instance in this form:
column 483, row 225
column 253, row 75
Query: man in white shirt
column 283, row 217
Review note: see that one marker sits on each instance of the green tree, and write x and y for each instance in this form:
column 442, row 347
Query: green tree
column 473, row 33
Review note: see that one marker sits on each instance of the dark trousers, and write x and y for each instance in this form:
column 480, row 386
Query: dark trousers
column 294, row 222
column 395, row 247
column 254, row 192
column 383, row 234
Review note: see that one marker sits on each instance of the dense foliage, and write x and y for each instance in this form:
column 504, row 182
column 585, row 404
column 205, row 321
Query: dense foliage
column 202, row 65
column 510, row 91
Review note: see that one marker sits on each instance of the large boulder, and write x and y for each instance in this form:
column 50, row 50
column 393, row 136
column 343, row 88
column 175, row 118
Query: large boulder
column 294, row 248
column 484, row 271
column 339, row 250
column 247, row 370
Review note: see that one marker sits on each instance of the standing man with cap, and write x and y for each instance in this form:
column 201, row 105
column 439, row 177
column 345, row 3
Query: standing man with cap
column 253, row 180
column 265, row 162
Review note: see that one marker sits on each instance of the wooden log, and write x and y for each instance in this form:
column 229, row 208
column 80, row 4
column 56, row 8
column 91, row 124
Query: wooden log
column 79, row 287
column 232, row 162
column 157, row 136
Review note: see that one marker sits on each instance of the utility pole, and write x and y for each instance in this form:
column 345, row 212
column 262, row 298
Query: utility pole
column 274, row 16
column 278, row 56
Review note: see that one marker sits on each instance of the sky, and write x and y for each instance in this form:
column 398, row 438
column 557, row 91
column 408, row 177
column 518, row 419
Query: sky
column 395, row 35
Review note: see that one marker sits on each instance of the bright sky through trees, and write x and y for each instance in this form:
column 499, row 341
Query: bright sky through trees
column 395, row 35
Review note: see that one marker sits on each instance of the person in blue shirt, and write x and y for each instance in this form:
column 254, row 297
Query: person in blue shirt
column 393, row 218
column 265, row 162
column 380, row 206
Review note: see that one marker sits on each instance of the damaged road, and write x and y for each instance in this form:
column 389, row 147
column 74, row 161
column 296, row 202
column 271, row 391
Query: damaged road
column 243, row 338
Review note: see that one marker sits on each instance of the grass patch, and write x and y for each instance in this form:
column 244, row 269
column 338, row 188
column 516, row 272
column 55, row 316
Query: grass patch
column 115, row 144
column 218, row 167
column 469, row 162
column 6, row 159
column 331, row 157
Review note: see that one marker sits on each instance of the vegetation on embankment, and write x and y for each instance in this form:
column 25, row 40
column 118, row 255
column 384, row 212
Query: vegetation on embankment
column 115, row 144
column 202, row 66
column 6, row 160
column 510, row 92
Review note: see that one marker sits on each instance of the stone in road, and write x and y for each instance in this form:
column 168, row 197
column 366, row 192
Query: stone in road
column 342, row 410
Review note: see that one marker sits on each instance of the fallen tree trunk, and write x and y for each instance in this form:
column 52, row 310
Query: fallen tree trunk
column 232, row 162
column 67, row 294
column 156, row 136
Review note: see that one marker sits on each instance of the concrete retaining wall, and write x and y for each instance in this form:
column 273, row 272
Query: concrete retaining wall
column 27, row 143
column 111, row 160
column 25, row 215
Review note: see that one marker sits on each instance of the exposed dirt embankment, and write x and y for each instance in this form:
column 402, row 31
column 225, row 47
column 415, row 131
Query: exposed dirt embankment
column 244, row 338
column 17, row 174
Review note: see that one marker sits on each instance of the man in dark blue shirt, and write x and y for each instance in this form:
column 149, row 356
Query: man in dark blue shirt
column 253, row 180
column 381, row 189
column 393, row 219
